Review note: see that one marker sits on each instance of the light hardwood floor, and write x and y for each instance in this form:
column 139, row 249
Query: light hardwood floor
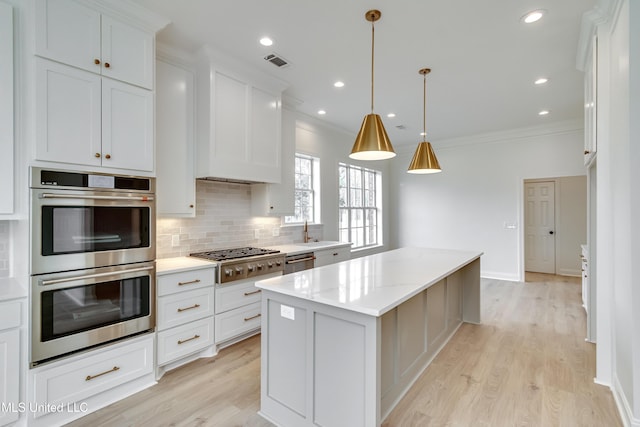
column 527, row 364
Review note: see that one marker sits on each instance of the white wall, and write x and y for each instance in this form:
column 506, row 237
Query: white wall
column 331, row 146
column 477, row 198
column 571, row 223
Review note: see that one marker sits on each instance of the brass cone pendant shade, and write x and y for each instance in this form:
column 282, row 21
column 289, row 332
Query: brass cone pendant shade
column 372, row 142
column 424, row 159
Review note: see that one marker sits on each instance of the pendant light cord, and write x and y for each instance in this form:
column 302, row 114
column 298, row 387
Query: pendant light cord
column 424, row 109
column 372, row 51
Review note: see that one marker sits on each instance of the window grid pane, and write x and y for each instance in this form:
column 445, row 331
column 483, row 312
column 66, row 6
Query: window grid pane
column 358, row 210
column 304, row 195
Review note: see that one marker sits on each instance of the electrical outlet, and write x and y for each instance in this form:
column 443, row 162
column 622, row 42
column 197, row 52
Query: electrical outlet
column 175, row 240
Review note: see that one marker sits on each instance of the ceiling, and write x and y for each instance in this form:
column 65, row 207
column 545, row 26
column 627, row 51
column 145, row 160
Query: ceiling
column 484, row 60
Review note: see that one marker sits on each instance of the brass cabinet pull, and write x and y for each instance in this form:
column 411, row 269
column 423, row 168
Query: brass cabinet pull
column 191, row 206
column 335, row 254
column 90, row 377
column 107, row 65
column 586, row 152
column 246, row 294
column 96, row 61
column 108, row 156
column 180, row 310
column 195, row 337
column 191, row 282
column 246, row 319
column 97, row 155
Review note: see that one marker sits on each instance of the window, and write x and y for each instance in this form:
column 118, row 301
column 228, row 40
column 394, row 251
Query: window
column 359, row 206
column 306, row 205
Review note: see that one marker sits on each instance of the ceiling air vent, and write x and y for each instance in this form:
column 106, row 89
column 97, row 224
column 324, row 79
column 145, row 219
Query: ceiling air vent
column 276, row 60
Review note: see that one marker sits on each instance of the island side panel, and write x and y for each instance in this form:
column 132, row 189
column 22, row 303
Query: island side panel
column 341, row 358
column 471, row 292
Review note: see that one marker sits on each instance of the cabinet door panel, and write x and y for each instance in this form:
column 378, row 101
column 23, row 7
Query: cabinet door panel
column 127, row 126
column 67, row 114
column 69, row 32
column 265, row 129
column 9, row 374
column 230, row 100
column 129, row 53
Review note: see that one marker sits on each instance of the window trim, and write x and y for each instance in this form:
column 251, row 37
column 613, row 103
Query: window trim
column 315, row 191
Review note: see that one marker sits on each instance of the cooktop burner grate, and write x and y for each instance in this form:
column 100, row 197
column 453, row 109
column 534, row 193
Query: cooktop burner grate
column 234, row 253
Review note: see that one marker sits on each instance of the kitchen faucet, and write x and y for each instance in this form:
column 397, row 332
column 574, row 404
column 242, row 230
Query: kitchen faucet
column 305, row 229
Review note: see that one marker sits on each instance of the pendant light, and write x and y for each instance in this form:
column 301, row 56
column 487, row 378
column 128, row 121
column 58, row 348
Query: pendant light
column 424, row 160
column 372, row 142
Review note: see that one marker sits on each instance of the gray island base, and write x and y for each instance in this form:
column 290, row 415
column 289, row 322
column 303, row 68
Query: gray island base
column 341, row 344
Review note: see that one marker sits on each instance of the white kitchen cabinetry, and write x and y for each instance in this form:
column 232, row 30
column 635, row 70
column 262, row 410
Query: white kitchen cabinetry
column 278, row 199
column 176, row 185
column 238, row 310
column 331, row 255
column 590, row 102
column 10, row 320
column 185, row 313
column 64, row 390
column 584, row 256
column 75, row 34
column 6, row 109
column 238, row 127
column 84, row 119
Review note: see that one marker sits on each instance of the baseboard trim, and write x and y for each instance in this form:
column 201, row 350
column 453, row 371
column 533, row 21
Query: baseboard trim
column 628, row 420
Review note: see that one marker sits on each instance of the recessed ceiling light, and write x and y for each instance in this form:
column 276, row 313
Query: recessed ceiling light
column 543, row 113
column 533, row 16
column 541, row 81
column 322, row 112
column 266, row 41
column 391, row 115
column 339, row 84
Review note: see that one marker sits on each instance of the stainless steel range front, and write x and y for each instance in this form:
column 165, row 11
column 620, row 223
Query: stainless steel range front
column 244, row 263
column 92, row 260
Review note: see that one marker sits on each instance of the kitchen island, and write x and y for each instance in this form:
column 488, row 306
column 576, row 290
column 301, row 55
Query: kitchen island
column 342, row 344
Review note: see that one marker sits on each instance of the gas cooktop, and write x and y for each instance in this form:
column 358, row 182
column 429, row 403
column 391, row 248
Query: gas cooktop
column 234, row 253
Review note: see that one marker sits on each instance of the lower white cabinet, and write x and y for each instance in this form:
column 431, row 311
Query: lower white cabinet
column 70, row 388
column 185, row 310
column 332, row 255
column 9, row 374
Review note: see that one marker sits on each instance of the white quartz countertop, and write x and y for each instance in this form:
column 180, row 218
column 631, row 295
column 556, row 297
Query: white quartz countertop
column 372, row 284
column 174, row 265
column 299, row 248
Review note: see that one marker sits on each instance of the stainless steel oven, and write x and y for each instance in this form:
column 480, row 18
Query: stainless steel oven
column 298, row 262
column 87, row 220
column 92, row 260
column 72, row 311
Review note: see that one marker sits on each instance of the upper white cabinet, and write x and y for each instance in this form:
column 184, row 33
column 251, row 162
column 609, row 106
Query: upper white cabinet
column 590, row 102
column 84, row 119
column 72, row 33
column 278, row 199
column 176, row 185
column 239, row 120
column 6, row 109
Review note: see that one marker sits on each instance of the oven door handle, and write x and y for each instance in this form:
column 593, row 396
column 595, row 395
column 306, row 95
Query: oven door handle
column 93, row 276
column 95, row 197
column 295, row 261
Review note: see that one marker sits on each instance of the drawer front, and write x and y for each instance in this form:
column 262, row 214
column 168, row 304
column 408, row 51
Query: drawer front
column 10, row 314
column 233, row 296
column 185, row 280
column 331, row 256
column 236, row 322
column 184, row 340
column 184, row 307
column 91, row 373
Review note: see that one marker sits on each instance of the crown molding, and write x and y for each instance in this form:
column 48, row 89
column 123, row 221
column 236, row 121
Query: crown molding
column 604, row 12
column 133, row 13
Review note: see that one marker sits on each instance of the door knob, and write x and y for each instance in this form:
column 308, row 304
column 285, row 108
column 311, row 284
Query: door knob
column 550, row 232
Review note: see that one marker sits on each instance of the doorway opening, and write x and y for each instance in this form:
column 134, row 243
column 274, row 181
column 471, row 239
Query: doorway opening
column 555, row 224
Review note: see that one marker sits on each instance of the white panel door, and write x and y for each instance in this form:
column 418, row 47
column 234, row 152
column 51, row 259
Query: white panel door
column 127, row 126
column 67, row 114
column 69, row 32
column 127, row 53
column 539, row 217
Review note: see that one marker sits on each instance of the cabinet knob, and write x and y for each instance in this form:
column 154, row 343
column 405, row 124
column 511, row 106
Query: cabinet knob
column 96, row 61
column 97, row 155
column 191, row 206
column 107, row 156
column 586, row 152
column 107, row 65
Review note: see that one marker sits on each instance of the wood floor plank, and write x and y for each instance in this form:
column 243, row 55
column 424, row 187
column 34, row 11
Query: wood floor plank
column 527, row 364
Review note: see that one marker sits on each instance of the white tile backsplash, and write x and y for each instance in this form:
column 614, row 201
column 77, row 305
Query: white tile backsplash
column 223, row 220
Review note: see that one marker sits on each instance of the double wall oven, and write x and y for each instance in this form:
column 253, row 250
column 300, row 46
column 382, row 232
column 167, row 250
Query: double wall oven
column 92, row 260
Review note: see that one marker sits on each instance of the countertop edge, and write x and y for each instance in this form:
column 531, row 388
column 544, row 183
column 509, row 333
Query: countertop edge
column 178, row 264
